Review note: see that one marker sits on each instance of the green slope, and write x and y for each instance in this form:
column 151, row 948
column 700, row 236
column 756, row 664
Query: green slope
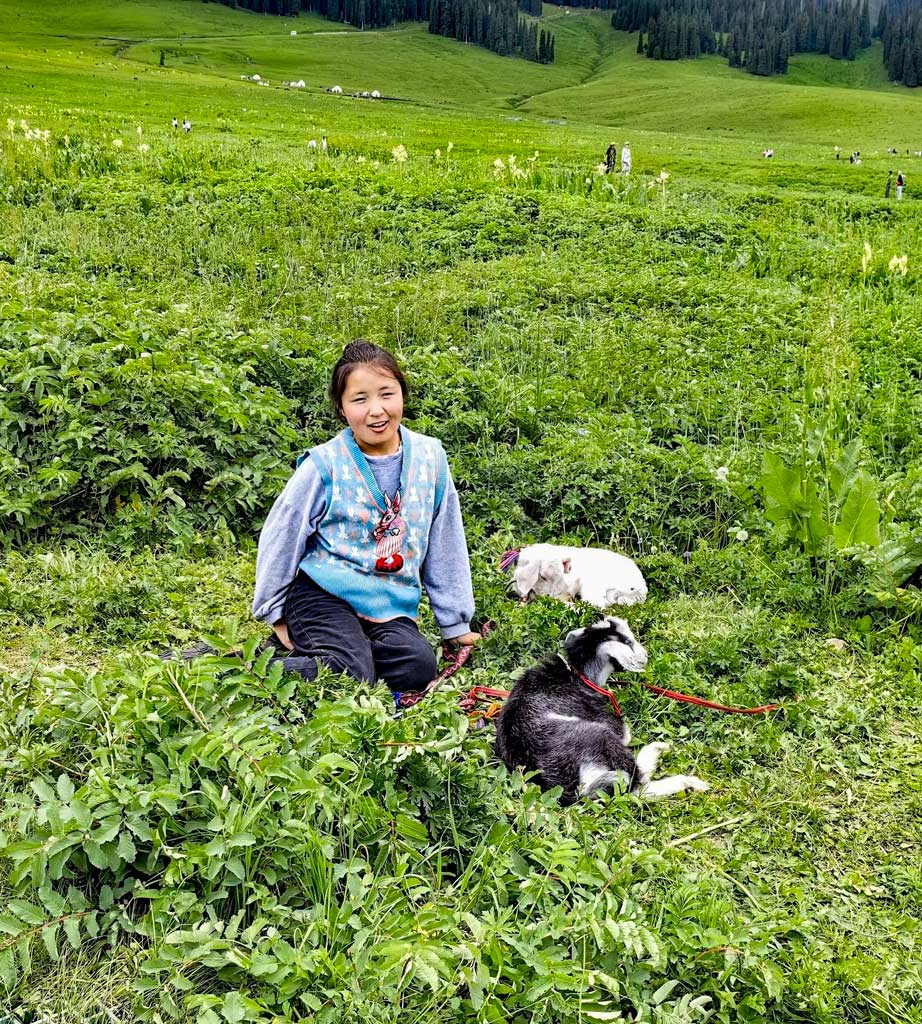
column 598, row 79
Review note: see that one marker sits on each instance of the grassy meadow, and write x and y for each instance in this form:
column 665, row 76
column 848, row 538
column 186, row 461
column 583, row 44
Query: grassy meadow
column 713, row 365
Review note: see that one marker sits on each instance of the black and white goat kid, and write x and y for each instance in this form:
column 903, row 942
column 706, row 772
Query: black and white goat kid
column 554, row 723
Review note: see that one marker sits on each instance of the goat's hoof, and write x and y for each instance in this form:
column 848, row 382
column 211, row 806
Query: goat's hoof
column 699, row 785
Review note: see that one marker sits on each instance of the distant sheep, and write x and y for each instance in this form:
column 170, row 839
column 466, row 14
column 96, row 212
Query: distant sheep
column 337, row 89
column 375, row 95
column 294, row 32
column 311, row 143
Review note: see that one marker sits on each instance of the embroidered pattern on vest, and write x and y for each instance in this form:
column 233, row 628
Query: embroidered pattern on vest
column 388, row 536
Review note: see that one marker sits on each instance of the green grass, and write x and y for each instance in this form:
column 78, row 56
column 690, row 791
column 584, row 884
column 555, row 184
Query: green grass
column 591, row 351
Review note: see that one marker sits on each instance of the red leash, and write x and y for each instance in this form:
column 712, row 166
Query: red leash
column 596, row 687
column 684, row 698
column 456, row 659
column 478, row 693
column 701, row 702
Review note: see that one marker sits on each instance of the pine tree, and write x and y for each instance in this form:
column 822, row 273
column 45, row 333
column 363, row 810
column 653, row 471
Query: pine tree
column 908, row 75
column 640, row 42
column 864, row 26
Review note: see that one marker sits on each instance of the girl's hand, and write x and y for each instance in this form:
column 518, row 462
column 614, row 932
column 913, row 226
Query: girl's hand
column 467, row 640
column 281, row 631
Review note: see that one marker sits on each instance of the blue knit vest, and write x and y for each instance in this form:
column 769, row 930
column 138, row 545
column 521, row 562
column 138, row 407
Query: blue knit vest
column 365, row 551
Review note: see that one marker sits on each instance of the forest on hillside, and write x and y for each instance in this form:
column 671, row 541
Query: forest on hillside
column 760, row 38
column 494, row 24
column 899, row 26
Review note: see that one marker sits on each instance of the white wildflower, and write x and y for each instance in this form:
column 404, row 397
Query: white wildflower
column 898, row 264
column 722, row 474
column 866, row 258
column 117, row 143
column 399, row 153
column 144, row 148
column 140, row 130
column 739, row 534
column 517, row 172
column 361, row 159
column 600, row 168
column 438, row 154
column 450, row 146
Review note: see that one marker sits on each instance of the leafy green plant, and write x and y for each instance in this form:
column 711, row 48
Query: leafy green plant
column 830, row 505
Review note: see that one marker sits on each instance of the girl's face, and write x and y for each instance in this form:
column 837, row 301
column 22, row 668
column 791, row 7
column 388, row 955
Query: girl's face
column 372, row 404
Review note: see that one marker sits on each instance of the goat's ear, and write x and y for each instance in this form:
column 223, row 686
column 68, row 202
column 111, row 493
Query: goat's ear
column 567, row 565
column 526, row 576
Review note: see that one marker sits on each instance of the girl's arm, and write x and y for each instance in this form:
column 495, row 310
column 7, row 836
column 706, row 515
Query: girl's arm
column 288, row 527
column 446, row 571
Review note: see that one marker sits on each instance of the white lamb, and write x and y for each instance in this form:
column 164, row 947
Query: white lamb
column 595, row 575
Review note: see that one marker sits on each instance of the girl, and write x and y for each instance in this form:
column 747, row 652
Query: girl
column 364, row 521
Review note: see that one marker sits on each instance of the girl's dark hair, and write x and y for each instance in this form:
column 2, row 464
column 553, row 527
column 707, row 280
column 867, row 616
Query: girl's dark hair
column 362, row 353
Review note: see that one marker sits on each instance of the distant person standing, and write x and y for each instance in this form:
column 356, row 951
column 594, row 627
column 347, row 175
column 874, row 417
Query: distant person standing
column 611, row 158
column 888, row 185
column 900, row 184
column 186, row 125
column 175, row 123
column 626, row 159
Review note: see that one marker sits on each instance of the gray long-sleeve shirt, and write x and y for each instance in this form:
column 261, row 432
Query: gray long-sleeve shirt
column 297, row 512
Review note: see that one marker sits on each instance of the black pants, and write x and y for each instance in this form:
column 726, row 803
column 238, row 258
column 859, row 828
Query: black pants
column 324, row 628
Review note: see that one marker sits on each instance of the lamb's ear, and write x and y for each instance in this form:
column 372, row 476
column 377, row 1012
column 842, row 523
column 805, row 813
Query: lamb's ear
column 526, row 576
column 567, row 566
